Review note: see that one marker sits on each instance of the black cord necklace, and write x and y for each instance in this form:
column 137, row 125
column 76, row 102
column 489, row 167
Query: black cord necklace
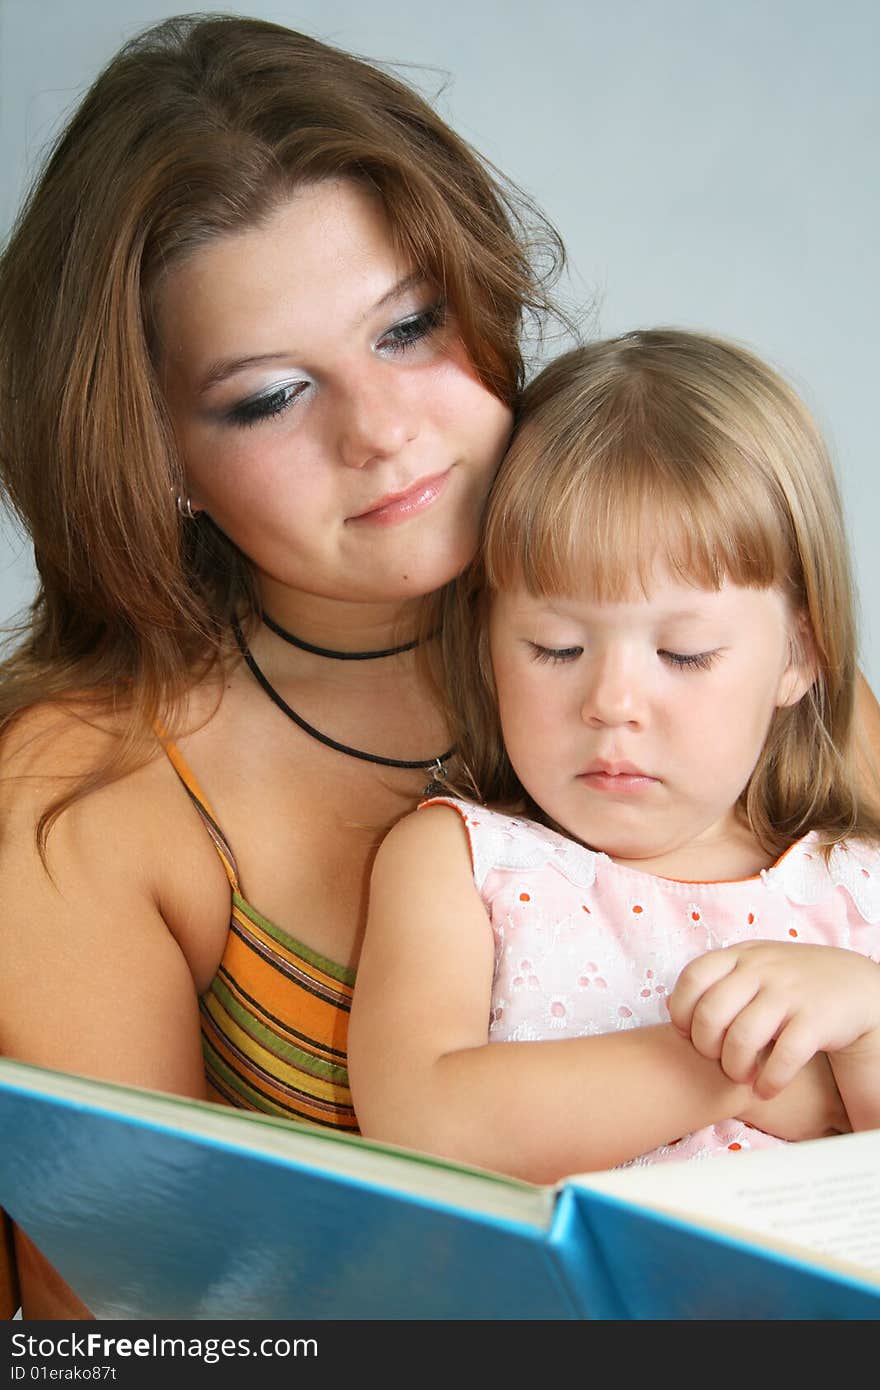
column 437, row 765
column 286, row 636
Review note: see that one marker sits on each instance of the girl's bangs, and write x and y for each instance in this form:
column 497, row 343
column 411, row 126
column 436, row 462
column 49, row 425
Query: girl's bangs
column 607, row 525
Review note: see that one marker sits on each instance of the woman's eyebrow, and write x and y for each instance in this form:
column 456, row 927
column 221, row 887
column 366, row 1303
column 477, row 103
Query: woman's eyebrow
column 219, row 371
column 226, row 367
column 397, row 291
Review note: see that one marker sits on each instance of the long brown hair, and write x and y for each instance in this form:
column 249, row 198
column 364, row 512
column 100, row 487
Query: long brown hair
column 696, row 441
column 198, row 127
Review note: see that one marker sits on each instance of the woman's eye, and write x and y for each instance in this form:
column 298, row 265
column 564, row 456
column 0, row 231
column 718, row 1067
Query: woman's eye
column 414, row 329
column 554, row 654
column 699, row 661
column 269, row 404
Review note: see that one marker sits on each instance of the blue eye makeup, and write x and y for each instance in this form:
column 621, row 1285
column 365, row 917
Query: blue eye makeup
column 399, row 339
column 415, row 328
column 266, row 406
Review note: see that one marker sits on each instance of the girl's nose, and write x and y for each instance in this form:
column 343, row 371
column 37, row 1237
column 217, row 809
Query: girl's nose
column 614, row 693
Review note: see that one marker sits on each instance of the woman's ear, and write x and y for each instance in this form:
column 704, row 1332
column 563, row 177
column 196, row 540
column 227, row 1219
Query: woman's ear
column 802, row 668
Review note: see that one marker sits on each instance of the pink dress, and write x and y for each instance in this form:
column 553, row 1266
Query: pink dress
column 584, row 945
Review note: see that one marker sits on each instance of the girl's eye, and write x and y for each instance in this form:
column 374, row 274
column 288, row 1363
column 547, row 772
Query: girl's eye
column 555, row 654
column 699, row 661
column 412, row 330
column 269, row 404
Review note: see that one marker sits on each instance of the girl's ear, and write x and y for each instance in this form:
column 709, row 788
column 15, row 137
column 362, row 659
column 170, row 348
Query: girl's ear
column 802, row 668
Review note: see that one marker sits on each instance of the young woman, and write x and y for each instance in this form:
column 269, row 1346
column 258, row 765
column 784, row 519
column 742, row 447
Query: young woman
column 259, row 349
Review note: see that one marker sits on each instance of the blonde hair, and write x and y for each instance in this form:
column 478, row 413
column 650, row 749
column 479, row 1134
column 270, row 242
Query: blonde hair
column 198, row 127
column 680, row 447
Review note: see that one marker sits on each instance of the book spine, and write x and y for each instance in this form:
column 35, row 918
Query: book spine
column 580, row 1258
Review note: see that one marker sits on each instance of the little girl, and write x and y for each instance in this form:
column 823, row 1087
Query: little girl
column 667, row 929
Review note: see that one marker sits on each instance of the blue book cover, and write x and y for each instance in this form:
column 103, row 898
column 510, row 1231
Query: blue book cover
column 156, row 1207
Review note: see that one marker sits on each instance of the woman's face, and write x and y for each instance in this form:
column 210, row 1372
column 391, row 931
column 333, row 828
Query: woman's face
column 329, row 419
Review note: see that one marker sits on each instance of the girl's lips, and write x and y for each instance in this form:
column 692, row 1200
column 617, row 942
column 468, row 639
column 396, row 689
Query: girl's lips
column 619, row 784
column 402, row 506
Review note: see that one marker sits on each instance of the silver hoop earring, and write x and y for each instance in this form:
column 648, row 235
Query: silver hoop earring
column 184, row 506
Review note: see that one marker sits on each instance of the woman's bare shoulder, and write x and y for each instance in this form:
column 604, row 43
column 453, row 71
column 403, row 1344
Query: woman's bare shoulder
column 55, row 741
column 127, row 862
column 67, row 739
column 48, row 751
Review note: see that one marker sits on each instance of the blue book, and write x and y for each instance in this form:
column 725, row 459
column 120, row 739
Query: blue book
column 155, row 1207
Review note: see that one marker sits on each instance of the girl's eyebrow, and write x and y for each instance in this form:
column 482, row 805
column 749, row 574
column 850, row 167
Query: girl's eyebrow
column 227, row 367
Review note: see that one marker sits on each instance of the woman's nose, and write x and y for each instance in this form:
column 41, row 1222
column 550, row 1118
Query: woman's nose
column 376, row 418
column 614, row 693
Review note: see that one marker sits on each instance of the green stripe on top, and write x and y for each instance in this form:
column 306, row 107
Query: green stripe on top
column 344, row 973
column 294, row 1056
column 218, row 1071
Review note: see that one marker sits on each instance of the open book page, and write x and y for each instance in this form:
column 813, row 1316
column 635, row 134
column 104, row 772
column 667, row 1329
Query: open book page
column 822, row 1195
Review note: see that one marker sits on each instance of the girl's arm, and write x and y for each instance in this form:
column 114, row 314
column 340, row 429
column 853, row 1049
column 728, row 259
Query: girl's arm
column 424, row 1075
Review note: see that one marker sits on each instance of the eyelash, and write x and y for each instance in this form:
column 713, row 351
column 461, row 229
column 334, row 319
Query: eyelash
column 260, row 408
column 400, row 339
column 554, row 655
column 700, row 661
column 412, row 330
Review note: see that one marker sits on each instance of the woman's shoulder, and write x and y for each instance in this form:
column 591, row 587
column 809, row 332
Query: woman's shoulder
column 51, row 750
column 134, row 838
column 55, row 744
column 111, row 924
column 57, row 741
column 46, row 752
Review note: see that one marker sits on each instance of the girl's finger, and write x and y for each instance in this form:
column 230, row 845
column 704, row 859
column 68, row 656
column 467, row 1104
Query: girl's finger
column 718, row 1008
column 793, row 1048
column 750, row 1034
column 693, row 982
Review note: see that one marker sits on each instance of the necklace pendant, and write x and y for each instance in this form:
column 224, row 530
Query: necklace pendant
column 437, row 778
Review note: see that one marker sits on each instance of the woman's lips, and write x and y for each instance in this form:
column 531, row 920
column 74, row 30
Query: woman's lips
column 397, row 507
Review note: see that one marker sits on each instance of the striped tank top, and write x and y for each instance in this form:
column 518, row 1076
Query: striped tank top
column 275, row 1017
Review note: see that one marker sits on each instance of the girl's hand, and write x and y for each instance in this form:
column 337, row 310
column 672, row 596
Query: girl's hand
column 763, row 1009
column 810, row 1107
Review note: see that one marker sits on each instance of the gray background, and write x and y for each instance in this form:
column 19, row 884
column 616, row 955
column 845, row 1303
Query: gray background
column 710, row 163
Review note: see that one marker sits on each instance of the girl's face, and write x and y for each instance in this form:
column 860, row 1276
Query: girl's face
column 635, row 726
column 329, row 419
